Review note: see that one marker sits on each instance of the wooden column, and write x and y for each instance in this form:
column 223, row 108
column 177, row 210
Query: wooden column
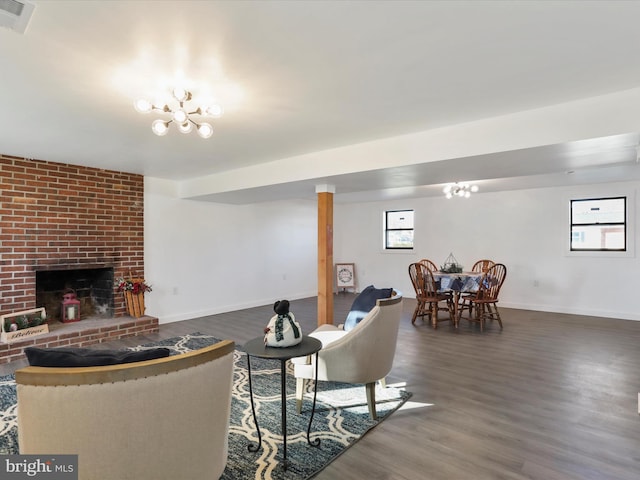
column 325, row 254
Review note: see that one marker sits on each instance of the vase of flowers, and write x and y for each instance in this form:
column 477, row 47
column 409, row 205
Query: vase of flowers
column 134, row 290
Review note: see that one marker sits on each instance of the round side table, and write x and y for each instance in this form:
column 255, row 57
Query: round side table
column 257, row 348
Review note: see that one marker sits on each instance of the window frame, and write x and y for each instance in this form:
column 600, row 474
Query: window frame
column 622, row 224
column 597, row 193
column 385, row 246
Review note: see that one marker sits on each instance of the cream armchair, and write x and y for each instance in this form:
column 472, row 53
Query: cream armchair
column 152, row 420
column 361, row 355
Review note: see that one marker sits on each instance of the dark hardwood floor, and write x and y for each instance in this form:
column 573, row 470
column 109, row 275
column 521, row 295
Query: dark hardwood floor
column 551, row 396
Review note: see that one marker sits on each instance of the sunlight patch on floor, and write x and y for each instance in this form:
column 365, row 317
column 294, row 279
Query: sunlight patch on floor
column 409, row 405
column 413, row 405
column 398, row 385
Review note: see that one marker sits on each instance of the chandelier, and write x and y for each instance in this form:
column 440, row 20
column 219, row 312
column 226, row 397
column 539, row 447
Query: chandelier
column 180, row 114
column 459, row 190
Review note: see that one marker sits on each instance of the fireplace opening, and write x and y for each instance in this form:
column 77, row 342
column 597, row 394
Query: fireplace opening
column 93, row 287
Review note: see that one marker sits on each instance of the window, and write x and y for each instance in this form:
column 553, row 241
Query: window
column 398, row 230
column 599, row 225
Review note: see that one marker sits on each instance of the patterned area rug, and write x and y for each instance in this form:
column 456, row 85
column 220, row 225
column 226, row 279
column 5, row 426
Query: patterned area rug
column 341, row 417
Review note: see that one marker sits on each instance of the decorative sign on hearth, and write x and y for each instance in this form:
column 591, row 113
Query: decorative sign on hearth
column 23, row 325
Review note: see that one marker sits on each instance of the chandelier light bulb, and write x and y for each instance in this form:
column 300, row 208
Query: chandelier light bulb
column 185, row 127
column 205, row 130
column 143, row 106
column 180, row 116
column 180, row 94
column 160, row 127
column 214, row 110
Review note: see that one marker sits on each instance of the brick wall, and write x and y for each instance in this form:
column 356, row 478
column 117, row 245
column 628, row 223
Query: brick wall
column 55, row 216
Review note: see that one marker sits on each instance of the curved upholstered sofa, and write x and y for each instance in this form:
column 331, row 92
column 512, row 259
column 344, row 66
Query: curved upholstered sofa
column 152, row 420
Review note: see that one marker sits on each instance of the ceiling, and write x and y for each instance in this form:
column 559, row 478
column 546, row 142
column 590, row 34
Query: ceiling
column 309, row 76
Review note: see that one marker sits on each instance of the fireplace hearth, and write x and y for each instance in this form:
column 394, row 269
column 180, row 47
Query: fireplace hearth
column 81, row 334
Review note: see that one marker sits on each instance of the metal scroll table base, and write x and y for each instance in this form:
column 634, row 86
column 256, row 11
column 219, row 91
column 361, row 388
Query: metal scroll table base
column 252, row 447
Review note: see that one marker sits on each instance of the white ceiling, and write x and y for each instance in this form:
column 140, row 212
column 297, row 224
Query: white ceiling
column 308, row 76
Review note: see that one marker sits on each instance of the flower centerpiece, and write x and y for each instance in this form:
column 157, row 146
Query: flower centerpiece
column 134, row 285
column 133, row 290
column 451, row 265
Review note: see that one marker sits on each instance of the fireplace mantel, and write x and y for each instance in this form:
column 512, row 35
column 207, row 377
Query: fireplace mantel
column 74, row 266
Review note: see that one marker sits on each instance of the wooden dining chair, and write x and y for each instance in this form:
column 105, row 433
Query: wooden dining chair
column 481, row 266
column 434, row 268
column 427, row 296
column 485, row 301
column 429, row 264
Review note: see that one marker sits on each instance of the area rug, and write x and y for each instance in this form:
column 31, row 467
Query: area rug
column 341, row 417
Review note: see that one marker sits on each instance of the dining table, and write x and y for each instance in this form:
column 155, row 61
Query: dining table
column 457, row 283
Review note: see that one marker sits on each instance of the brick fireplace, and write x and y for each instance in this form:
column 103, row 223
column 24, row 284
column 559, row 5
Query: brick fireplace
column 92, row 286
column 56, row 217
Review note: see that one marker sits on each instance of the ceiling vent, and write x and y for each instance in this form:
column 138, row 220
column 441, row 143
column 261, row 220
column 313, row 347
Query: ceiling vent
column 15, row 15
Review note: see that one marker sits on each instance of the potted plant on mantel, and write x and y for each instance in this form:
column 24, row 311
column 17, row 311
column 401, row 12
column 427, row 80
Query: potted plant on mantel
column 23, row 325
column 134, row 289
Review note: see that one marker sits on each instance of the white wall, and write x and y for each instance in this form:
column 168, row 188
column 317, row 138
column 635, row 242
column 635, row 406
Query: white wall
column 526, row 230
column 223, row 257
column 205, row 258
